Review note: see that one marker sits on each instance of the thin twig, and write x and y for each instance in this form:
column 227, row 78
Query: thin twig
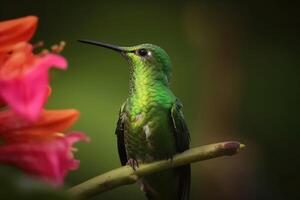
column 126, row 175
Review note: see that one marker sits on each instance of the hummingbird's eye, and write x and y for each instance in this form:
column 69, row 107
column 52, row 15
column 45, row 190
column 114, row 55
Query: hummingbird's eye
column 143, row 52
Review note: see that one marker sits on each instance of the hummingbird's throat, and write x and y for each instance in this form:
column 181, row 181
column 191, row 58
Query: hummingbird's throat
column 145, row 81
column 147, row 89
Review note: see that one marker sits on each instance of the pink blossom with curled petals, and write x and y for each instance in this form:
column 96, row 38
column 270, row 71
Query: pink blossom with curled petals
column 16, row 30
column 26, row 92
column 14, row 128
column 31, row 137
column 23, row 74
column 50, row 160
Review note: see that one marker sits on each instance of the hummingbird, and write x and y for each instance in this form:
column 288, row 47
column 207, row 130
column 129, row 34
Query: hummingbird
column 151, row 124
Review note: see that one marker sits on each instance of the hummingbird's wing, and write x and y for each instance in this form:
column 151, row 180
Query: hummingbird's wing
column 181, row 132
column 182, row 141
column 120, row 136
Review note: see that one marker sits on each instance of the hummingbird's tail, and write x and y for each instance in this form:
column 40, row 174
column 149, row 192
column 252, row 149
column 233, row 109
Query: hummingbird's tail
column 168, row 185
column 184, row 182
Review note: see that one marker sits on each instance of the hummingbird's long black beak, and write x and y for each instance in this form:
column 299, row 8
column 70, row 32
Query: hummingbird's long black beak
column 101, row 44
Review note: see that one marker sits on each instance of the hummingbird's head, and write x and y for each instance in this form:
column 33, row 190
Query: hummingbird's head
column 148, row 58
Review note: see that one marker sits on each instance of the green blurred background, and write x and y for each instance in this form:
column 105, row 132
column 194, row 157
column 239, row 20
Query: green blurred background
column 235, row 68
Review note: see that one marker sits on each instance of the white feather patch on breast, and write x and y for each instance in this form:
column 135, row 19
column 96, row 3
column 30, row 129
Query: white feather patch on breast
column 147, row 131
column 138, row 118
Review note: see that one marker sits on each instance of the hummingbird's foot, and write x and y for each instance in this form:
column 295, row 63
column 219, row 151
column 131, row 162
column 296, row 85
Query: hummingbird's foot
column 133, row 163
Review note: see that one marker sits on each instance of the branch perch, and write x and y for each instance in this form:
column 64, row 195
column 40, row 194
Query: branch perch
column 126, row 175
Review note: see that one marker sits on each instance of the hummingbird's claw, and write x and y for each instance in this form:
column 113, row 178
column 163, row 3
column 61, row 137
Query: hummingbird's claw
column 133, row 163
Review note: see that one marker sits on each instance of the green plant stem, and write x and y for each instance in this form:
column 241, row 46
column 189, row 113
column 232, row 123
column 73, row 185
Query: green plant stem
column 126, row 175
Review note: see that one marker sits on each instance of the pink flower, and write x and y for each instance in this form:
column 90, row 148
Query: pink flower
column 31, row 137
column 40, row 148
column 15, row 31
column 14, row 128
column 50, row 160
column 24, row 75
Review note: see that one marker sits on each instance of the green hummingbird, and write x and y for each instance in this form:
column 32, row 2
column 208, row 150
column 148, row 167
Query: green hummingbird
column 151, row 125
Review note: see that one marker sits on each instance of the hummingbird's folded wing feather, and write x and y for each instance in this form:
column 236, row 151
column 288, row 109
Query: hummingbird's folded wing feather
column 120, row 136
column 181, row 132
column 182, row 140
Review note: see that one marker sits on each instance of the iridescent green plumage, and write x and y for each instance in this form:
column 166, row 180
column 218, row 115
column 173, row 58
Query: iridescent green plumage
column 151, row 124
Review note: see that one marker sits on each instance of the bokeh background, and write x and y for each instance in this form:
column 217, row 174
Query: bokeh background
column 235, row 68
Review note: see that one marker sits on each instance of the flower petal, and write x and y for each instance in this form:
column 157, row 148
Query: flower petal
column 49, row 160
column 15, row 129
column 26, row 93
column 16, row 30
